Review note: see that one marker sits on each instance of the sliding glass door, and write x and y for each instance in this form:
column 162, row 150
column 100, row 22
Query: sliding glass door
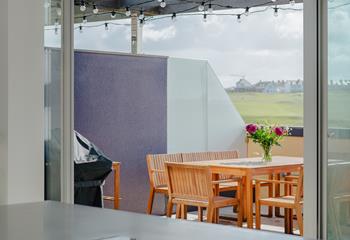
column 53, row 92
column 338, row 102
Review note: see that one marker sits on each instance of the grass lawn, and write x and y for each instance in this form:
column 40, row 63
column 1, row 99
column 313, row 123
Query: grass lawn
column 287, row 108
column 281, row 108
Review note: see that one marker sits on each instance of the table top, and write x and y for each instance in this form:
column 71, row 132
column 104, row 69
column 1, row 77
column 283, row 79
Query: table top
column 58, row 221
column 252, row 163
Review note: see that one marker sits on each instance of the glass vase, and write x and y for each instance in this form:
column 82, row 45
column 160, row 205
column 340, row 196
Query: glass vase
column 267, row 157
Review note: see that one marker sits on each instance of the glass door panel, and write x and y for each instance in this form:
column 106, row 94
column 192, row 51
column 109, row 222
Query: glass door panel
column 338, row 168
column 53, row 90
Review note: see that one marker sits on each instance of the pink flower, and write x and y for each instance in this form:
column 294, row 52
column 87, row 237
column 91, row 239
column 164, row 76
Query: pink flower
column 251, row 128
column 279, row 131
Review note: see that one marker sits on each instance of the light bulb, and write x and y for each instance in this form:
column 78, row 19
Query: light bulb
column 142, row 15
column 81, row 29
column 106, row 26
column 113, row 15
column 210, row 8
column 204, row 17
column 273, row 1
column 292, row 2
column 82, row 6
column 127, row 12
column 163, row 4
column 59, row 11
column 246, row 11
column 84, row 19
column 275, row 12
column 173, row 17
column 94, row 9
column 239, row 19
column 201, row 7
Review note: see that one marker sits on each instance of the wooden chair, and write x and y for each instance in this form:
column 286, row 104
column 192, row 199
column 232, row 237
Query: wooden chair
column 157, row 176
column 191, row 185
column 289, row 201
column 115, row 198
column 205, row 156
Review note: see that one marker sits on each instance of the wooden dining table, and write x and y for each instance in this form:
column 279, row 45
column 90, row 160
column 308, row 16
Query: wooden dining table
column 250, row 168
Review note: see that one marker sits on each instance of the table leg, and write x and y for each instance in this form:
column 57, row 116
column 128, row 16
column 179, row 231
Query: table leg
column 217, row 193
column 249, row 201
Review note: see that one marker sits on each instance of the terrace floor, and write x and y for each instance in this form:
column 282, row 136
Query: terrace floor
column 228, row 217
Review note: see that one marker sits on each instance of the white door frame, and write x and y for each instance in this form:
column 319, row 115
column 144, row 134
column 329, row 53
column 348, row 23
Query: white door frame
column 315, row 117
column 315, row 43
column 67, row 103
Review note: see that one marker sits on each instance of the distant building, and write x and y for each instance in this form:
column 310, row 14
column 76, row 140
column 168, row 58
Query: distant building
column 244, row 86
column 280, row 86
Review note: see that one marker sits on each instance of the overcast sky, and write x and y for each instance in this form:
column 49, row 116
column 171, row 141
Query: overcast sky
column 261, row 47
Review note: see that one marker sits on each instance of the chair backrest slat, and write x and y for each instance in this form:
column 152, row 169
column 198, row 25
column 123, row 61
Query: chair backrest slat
column 156, row 167
column 224, row 155
column 196, row 156
column 300, row 186
column 189, row 181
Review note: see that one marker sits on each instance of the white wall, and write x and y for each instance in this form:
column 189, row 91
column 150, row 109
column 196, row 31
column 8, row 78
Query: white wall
column 201, row 117
column 21, row 107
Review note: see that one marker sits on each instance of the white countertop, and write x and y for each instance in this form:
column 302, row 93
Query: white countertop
column 57, row 221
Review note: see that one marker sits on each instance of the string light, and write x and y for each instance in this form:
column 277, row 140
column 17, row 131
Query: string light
column 173, row 17
column 275, row 12
column 142, row 15
column 201, row 7
column 94, row 9
column 84, row 19
column 113, row 14
column 82, row 6
column 127, row 12
column 239, row 19
column 210, row 8
column 292, row 2
column 246, row 11
column 163, row 4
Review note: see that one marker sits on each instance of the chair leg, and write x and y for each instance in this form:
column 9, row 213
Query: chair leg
column 178, row 211
column 270, row 190
column 200, row 214
column 240, row 215
column 257, row 207
column 169, row 208
column 150, row 201
column 183, row 211
column 300, row 220
column 257, row 215
column 210, row 214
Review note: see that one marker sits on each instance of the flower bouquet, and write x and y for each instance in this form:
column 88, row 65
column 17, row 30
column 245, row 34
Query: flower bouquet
column 267, row 136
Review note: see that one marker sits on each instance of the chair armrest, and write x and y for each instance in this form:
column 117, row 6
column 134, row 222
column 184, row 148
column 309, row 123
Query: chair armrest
column 216, row 182
column 259, row 181
column 291, row 177
column 157, row 171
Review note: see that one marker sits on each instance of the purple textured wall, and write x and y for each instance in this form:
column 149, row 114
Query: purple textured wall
column 121, row 106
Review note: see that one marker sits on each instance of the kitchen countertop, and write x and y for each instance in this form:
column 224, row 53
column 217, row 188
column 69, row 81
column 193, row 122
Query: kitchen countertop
column 58, row 221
